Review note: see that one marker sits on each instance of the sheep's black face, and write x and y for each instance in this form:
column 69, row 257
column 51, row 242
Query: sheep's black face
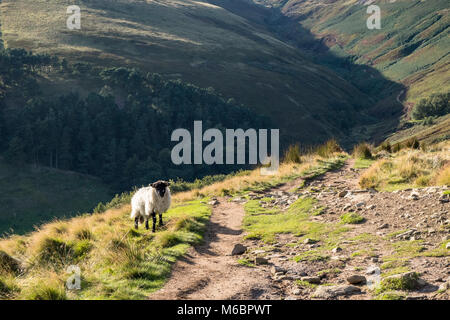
column 161, row 187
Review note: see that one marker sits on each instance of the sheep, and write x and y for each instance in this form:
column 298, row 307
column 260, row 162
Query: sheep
column 151, row 200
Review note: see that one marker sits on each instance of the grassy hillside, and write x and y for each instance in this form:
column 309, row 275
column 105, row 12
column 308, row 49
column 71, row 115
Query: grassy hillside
column 32, row 195
column 438, row 130
column 198, row 42
column 412, row 45
column 116, row 261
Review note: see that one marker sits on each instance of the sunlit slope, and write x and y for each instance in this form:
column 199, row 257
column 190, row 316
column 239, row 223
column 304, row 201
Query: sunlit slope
column 412, row 45
column 199, row 43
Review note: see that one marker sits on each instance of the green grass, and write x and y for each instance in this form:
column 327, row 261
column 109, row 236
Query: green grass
column 116, row 261
column 246, row 262
column 393, row 271
column 351, row 218
column 312, row 256
column 147, row 260
column 41, row 194
column 404, row 251
column 411, row 45
column 7, row 287
column 260, row 225
column 391, row 296
column 397, row 283
column 363, row 163
column 305, row 284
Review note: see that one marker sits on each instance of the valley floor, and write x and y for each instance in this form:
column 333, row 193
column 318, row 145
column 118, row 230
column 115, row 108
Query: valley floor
column 391, row 235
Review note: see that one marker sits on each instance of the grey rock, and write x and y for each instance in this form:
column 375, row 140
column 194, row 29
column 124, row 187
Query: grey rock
column 360, row 204
column 336, row 250
column 309, row 241
column 313, row 280
column 342, row 193
column 277, row 269
column 414, row 196
column 238, row 249
column 261, row 260
column 384, row 226
column 327, row 292
column 213, row 202
column 372, row 270
column 445, row 286
column 356, row 279
column 296, row 291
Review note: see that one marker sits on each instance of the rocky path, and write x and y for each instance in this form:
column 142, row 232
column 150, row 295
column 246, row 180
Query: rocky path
column 209, row 271
column 401, row 232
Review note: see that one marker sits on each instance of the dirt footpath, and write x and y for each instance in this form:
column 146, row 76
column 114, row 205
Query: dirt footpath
column 209, row 271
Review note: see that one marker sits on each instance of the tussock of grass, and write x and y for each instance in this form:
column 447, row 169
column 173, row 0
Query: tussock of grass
column 351, row 218
column 410, row 168
column 362, row 151
column 116, row 261
column 293, row 155
column 8, row 264
column 46, row 289
column 443, row 176
column 398, row 283
column 8, row 287
column 328, row 149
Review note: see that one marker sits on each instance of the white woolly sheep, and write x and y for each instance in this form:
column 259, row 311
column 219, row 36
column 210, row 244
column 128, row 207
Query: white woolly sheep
column 150, row 201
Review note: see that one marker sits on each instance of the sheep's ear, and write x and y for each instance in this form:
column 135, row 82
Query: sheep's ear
column 167, row 183
column 153, row 185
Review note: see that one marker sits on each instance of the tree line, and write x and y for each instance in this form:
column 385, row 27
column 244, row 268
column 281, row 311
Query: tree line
column 120, row 133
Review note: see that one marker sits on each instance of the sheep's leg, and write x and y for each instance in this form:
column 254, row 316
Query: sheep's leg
column 136, row 223
column 154, row 221
column 160, row 220
column 146, row 224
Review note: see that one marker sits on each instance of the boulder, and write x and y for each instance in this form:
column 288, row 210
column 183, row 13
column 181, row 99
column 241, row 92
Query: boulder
column 238, row 249
column 261, row 260
column 312, row 280
column 277, row 269
column 329, row 292
column 356, row 279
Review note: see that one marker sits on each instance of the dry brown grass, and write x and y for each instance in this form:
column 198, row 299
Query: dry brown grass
column 410, row 168
column 238, row 183
column 443, row 176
